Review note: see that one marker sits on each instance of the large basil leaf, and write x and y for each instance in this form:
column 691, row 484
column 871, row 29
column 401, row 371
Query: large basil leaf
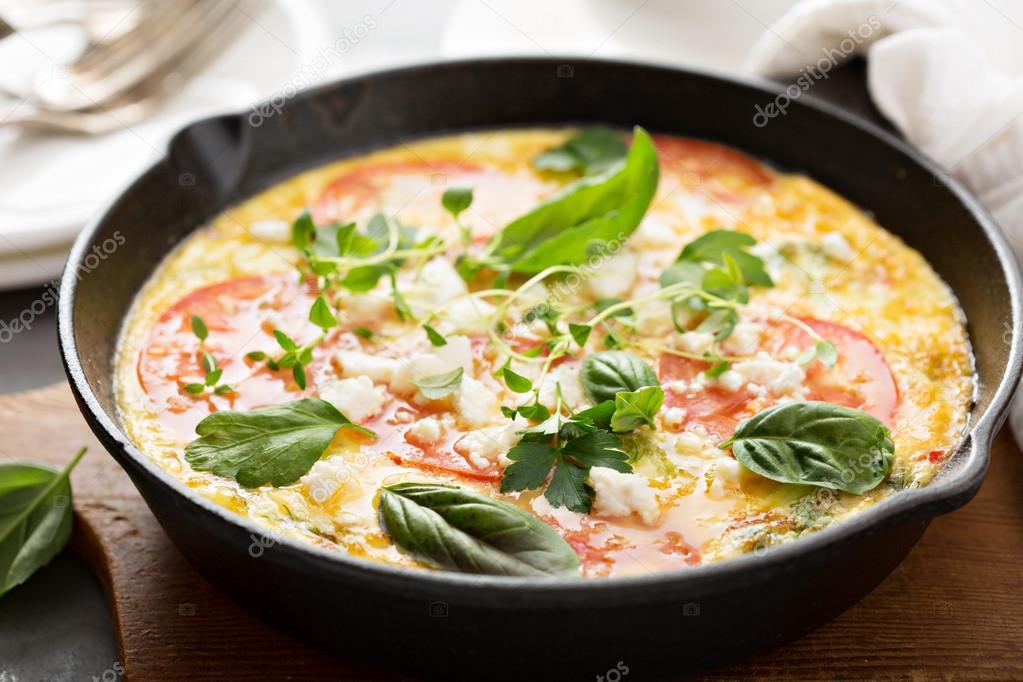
column 815, row 443
column 606, row 373
column 593, row 150
column 275, row 445
column 595, row 209
column 35, row 518
column 458, row 529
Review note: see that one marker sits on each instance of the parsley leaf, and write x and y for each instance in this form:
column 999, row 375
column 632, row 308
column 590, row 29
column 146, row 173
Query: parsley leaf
column 568, row 487
column 531, row 462
column 275, row 445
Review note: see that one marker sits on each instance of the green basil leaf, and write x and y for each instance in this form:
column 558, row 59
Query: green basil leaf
column 721, row 322
column 606, row 373
column 717, row 369
column 213, row 377
column 303, row 231
column 199, row 328
column 633, row 409
column 35, row 518
column 195, row 388
column 363, row 332
column 256, row 356
column 363, row 278
column 596, row 209
column 815, row 443
column 459, row 529
column 531, row 462
column 321, row 315
column 284, row 341
column 676, row 273
column 456, row 200
column 440, row 385
column 598, row 416
column 298, row 373
column 209, row 363
column 603, row 304
column 593, row 150
column 516, row 382
column 275, row 445
column 434, row 336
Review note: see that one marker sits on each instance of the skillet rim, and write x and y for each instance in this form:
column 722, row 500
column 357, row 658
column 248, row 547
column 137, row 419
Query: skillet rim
column 942, row 495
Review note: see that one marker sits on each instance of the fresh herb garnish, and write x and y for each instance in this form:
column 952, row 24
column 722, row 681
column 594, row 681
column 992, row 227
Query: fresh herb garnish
column 516, row 382
column 459, row 529
column 211, row 372
column 606, row 373
column 435, row 337
column 570, row 446
column 634, row 409
column 598, row 209
column 275, row 445
column 815, row 443
column 35, row 518
column 454, row 201
column 363, row 332
column 440, row 385
column 593, row 150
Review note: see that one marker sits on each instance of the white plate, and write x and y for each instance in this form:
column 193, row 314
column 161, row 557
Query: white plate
column 51, row 185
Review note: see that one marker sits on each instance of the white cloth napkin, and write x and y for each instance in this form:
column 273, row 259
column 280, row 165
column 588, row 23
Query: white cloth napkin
column 947, row 73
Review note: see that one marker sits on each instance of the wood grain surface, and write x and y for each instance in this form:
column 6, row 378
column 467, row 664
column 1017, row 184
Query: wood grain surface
column 951, row 611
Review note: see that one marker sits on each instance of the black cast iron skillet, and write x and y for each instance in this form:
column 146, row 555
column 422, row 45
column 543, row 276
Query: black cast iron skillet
column 448, row 624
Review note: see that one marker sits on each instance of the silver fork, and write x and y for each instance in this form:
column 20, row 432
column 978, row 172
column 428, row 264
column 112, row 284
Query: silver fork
column 131, row 104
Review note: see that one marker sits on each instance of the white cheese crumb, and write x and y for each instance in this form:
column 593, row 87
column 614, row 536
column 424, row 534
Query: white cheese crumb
column 654, row 233
column 730, row 380
column 426, row 431
column 621, row 494
column 484, row 447
column 781, row 378
column 327, row 476
column 674, row 417
column 355, row 363
column 356, row 398
column 725, row 477
column 836, row 247
column 362, row 309
column 271, row 230
column 654, row 318
column 439, row 282
column 614, row 276
column 465, row 316
column 457, row 352
column 476, row 403
column 744, row 340
column 691, row 442
column 695, row 342
column 567, row 376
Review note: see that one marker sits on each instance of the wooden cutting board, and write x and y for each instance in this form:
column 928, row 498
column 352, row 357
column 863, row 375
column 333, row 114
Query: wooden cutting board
column 950, row 611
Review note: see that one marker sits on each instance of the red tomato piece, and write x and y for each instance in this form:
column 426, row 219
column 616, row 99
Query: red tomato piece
column 860, row 378
column 241, row 315
column 704, row 165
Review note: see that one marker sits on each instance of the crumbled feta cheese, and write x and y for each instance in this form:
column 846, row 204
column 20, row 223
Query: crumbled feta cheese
column 691, row 442
column 356, row 398
column 368, row 308
column 476, row 403
column 457, row 352
column 744, row 339
column 654, row 233
column 730, row 380
column 613, row 277
column 677, row 386
column 695, row 342
column 654, row 318
column 725, row 476
column 439, row 282
column 674, row 417
column 567, row 376
column 836, row 247
column 355, row 363
column 781, row 378
column 426, row 431
column 465, row 316
column 484, row 447
column 621, row 494
column 271, row 230
column 327, row 476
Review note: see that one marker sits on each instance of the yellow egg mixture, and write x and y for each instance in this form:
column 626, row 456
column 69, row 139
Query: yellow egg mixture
column 903, row 355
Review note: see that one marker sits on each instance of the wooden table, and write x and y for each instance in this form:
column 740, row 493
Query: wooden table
column 950, row 612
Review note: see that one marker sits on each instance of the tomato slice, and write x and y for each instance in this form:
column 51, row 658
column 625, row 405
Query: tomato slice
column 860, row 378
column 414, row 189
column 241, row 315
column 709, row 168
